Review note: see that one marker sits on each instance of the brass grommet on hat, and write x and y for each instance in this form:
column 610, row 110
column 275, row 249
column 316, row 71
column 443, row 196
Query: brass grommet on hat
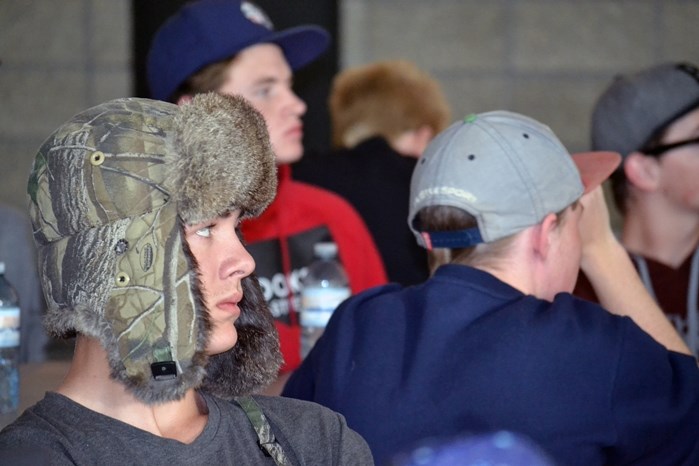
column 97, row 158
column 122, row 279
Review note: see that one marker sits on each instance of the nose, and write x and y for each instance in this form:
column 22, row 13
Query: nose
column 295, row 105
column 237, row 261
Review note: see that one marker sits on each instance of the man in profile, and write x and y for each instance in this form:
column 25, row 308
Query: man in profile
column 231, row 47
column 651, row 117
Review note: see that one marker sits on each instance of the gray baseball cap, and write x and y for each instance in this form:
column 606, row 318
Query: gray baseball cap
column 507, row 170
column 636, row 106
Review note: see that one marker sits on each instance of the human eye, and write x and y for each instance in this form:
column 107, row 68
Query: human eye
column 263, row 92
column 204, row 232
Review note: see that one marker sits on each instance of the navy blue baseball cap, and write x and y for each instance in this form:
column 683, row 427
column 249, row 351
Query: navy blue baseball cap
column 207, row 31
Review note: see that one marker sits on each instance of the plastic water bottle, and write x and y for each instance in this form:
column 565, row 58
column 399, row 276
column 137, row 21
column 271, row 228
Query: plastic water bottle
column 324, row 287
column 9, row 347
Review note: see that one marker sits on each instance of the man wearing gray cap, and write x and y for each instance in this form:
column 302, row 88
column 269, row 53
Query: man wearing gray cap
column 652, row 118
column 494, row 340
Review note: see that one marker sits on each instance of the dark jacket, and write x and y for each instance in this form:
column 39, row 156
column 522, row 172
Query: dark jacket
column 375, row 179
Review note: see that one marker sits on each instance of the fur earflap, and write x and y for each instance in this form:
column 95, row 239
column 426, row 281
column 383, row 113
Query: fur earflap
column 226, row 159
column 253, row 362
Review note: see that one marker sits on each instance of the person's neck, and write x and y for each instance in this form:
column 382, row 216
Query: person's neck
column 517, row 268
column 412, row 143
column 663, row 233
column 89, row 383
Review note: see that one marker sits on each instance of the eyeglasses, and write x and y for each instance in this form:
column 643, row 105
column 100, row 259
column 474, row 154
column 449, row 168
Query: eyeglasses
column 662, row 148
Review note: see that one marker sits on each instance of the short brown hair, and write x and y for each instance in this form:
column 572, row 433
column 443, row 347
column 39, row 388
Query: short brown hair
column 448, row 218
column 209, row 78
column 385, row 99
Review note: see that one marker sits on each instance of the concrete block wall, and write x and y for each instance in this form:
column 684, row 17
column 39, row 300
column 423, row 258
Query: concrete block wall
column 549, row 59
column 546, row 58
column 58, row 57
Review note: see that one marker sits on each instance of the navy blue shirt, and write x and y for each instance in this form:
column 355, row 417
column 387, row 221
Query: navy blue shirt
column 465, row 352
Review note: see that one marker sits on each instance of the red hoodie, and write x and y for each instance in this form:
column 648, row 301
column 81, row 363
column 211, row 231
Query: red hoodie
column 281, row 242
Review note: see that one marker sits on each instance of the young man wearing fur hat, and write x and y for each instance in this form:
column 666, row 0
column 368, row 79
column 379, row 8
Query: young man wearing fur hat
column 136, row 206
column 230, row 47
column 651, row 117
column 494, row 340
column 383, row 116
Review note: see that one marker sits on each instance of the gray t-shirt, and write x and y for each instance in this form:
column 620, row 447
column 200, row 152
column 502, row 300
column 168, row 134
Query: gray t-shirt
column 59, row 431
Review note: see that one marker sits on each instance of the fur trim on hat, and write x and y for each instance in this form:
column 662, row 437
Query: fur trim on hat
column 225, row 161
column 254, row 361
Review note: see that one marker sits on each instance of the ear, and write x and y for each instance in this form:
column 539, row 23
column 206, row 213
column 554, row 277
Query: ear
column 184, row 99
column 642, row 171
column 542, row 236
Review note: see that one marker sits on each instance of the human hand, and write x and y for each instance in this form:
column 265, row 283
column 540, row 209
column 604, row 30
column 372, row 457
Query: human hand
column 595, row 227
column 609, row 268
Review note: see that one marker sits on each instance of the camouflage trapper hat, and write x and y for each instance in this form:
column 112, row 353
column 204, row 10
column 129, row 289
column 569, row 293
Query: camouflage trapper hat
column 110, row 191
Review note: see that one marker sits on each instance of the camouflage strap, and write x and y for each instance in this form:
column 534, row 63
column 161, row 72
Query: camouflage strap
column 265, row 437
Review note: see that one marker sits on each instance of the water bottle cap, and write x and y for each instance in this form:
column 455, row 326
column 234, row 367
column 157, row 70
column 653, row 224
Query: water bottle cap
column 325, row 250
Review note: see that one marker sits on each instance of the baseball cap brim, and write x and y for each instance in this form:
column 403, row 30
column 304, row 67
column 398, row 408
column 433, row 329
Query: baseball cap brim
column 595, row 167
column 301, row 45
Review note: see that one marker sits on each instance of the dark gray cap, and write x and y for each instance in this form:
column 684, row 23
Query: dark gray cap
column 636, row 106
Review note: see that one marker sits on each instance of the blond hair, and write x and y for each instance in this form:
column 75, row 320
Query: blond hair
column 386, row 99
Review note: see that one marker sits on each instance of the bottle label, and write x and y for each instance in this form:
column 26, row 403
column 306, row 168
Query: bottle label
column 9, row 327
column 317, row 319
column 319, row 303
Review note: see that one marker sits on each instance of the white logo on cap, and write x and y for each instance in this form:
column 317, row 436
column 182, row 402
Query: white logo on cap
column 254, row 14
column 431, row 192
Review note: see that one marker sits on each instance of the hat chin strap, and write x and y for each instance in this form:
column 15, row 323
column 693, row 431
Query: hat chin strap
column 452, row 239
